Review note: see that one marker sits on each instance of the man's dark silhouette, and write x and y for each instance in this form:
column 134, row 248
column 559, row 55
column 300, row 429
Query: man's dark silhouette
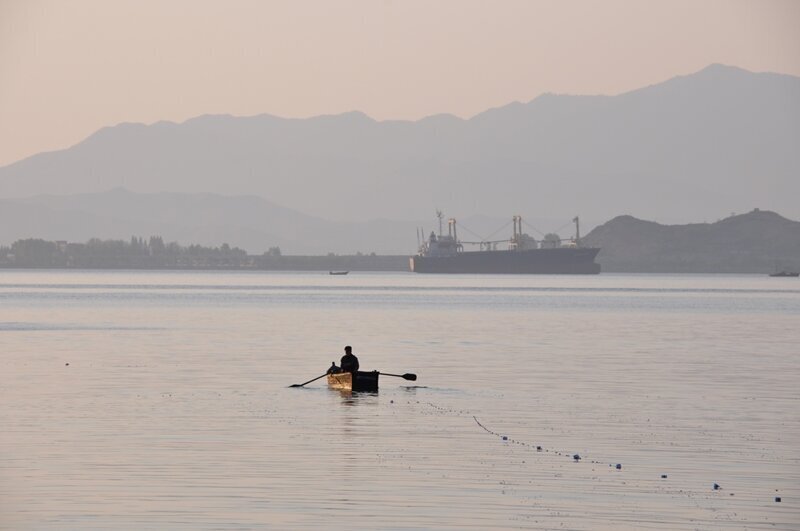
column 349, row 361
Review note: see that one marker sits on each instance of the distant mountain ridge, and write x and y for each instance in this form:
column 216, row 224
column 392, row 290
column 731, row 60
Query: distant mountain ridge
column 757, row 242
column 692, row 147
column 249, row 222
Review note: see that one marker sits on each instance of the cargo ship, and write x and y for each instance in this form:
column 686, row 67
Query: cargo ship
column 444, row 253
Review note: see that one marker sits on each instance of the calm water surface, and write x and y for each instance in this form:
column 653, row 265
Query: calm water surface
column 159, row 400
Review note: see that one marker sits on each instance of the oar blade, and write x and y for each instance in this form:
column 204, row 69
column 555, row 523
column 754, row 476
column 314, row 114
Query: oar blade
column 410, row 376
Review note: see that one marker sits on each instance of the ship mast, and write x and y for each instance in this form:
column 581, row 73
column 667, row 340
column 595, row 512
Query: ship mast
column 515, row 241
column 577, row 231
column 440, row 215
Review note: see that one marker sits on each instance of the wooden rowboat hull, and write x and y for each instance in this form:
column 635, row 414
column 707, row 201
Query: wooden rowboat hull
column 364, row 381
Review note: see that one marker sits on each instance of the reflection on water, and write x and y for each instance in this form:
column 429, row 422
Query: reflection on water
column 148, row 400
column 349, row 398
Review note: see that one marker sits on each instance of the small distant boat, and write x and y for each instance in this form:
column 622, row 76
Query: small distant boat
column 338, row 272
column 785, row 274
column 364, row 381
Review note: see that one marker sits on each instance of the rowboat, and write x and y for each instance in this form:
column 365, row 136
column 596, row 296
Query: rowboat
column 338, row 272
column 364, row 381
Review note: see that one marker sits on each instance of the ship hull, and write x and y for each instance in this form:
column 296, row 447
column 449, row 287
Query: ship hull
column 561, row 261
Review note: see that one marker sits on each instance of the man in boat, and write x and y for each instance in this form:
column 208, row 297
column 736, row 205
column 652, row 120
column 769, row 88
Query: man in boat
column 349, row 362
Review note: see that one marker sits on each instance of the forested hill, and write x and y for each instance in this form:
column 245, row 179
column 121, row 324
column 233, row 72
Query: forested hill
column 757, row 242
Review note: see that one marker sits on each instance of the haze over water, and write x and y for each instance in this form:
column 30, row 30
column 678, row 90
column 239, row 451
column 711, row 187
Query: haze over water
column 174, row 413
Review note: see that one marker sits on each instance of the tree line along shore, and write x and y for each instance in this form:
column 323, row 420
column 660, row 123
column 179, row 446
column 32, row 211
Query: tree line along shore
column 154, row 253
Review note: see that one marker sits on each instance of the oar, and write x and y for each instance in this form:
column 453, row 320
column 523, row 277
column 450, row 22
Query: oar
column 308, row 382
column 406, row 376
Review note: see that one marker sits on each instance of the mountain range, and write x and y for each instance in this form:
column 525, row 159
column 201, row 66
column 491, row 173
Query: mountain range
column 756, row 242
column 692, row 148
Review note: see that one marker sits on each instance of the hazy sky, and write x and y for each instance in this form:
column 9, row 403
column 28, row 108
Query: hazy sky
column 70, row 68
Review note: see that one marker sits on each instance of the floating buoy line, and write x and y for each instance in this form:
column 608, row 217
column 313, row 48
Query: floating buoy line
column 538, row 448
